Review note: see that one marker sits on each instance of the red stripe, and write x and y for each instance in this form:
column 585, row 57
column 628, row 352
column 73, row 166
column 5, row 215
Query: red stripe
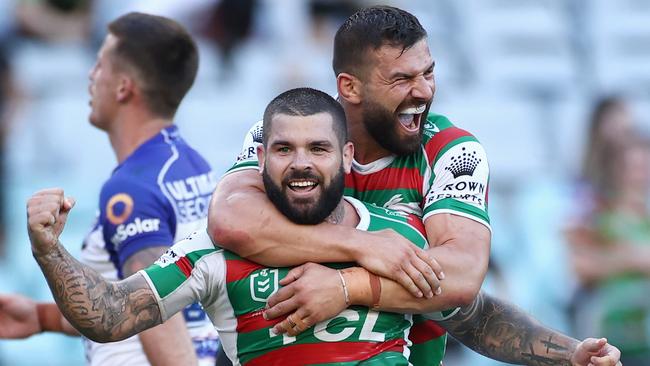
column 416, row 222
column 425, row 331
column 185, row 266
column 387, row 178
column 326, row 352
column 250, row 322
column 441, row 139
column 238, row 269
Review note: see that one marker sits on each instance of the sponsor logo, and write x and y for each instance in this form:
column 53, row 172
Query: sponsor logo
column 138, row 226
column 192, row 195
column 119, row 208
column 464, row 163
column 169, row 257
column 257, row 134
column 431, row 127
column 247, row 153
column 264, row 284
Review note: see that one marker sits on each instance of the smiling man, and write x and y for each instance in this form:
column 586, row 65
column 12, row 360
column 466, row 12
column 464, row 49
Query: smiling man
column 405, row 159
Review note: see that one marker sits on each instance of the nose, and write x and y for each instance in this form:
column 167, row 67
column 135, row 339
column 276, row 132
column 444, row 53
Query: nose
column 423, row 88
column 301, row 160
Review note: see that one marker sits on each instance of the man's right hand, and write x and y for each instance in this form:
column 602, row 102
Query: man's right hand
column 394, row 257
column 18, row 317
column 47, row 212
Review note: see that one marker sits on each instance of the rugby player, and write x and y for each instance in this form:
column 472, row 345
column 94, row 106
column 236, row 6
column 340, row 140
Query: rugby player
column 157, row 194
column 304, row 141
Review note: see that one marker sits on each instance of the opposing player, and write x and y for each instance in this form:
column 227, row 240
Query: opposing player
column 405, row 158
column 303, row 160
column 157, row 195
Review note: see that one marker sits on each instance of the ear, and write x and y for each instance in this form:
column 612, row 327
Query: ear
column 348, row 156
column 125, row 88
column 349, row 88
column 260, row 157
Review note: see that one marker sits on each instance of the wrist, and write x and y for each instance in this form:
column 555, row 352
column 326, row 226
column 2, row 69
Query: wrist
column 359, row 291
column 49, row 317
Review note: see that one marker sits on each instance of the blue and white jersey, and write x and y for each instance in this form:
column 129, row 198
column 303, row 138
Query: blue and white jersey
column 157, row 196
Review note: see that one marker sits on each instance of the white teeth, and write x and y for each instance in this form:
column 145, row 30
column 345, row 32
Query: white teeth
column 302, row 184
column 414, row 110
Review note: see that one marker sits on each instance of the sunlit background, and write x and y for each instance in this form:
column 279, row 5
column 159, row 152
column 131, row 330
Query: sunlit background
column 522, row 75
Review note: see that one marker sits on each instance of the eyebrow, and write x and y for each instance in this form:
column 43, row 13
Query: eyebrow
column 400, row 75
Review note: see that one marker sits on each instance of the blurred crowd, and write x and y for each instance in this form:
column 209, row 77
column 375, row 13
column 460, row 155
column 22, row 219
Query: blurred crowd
column 558, row 91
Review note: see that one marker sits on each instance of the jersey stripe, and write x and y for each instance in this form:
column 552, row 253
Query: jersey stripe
column 393, row 179
column 315, row 353
column 185, row 266
column 251, row 322
column 442, row 138
column 424, row 331
column 239, row 269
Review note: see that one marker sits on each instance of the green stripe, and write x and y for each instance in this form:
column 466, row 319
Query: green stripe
column 245, row 164
column 401, row 227
column 169, row 278
column 428, row 353
column 455, row 205
column 382, row 359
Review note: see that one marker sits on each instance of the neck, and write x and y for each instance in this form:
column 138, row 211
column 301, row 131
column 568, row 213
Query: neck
column 129, row 133
column 366, row 148
column 344, row 214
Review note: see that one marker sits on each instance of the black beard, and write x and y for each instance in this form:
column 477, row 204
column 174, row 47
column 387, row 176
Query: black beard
column 380, row 124
column 305, row 213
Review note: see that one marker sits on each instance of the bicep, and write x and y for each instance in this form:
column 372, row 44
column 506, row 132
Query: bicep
column 448, row 227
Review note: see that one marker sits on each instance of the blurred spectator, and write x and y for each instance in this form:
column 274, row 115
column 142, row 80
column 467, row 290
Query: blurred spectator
column 610, row 242
column 54, row 20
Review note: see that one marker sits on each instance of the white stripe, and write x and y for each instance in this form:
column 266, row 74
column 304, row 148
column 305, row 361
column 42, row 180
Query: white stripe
column 427, row 175
column 239, row 169
column 164, row 170
column 457, row 213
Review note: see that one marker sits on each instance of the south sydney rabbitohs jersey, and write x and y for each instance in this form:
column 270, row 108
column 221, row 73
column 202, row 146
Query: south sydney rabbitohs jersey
column 449, row 174
column 157, row 196
column 234, row 292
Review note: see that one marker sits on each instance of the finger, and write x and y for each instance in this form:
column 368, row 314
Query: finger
column 293, row 275
column 429, row 276
column 406, row 282
column 68, row 203
column 282, row 294
column 300, row 325
column 432, row 263
column 602, row 361
column 593, row 345
column 419, row 280
column 280, row 309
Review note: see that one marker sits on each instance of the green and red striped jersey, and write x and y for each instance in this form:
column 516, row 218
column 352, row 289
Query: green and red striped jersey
column 449, row 174
column 233, row 291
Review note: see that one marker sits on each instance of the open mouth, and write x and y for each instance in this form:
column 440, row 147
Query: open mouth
column 410, row 118
column 302, row 185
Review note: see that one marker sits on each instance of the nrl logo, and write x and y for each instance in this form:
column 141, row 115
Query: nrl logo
column 264, row 284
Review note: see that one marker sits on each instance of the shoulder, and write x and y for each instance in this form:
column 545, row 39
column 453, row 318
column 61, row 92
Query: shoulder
column 440, row 135
column 192, row 249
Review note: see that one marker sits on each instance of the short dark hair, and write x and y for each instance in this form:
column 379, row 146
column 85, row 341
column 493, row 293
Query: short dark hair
column 162, row 53
column 372, row 28
column 306, row 102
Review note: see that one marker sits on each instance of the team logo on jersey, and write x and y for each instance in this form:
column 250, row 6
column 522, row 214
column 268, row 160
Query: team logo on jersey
column 397, row 207
column 264, row 284
column 464, row 163
column 119, row 208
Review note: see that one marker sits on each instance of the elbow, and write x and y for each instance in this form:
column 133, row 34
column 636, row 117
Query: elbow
column 466, row 296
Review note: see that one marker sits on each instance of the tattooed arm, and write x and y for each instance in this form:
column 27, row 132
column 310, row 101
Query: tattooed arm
column 101, row 310
column 503, row 332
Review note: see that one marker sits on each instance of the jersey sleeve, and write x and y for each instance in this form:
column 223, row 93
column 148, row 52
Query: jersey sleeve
column 459, row 178
column 192, row 270
column 134, row 217
column 247, row 158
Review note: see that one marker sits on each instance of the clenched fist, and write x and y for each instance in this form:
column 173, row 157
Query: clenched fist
column 47, row 212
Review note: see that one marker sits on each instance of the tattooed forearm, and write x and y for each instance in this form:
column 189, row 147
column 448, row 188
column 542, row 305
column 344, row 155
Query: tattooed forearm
column 101, row 310
column 503, row 332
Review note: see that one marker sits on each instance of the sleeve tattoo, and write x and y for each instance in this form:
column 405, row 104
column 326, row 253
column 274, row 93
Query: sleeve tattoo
column 503, row 332
column 101, row 310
